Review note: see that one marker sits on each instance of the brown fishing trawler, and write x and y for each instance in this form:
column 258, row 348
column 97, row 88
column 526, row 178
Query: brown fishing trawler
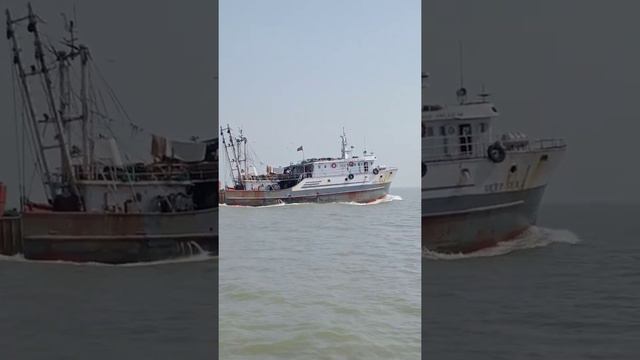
column 99, row 205
column 348, row 178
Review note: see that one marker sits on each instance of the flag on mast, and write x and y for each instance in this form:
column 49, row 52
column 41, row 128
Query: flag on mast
column 300, row 148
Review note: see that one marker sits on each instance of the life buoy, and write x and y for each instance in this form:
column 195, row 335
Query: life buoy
column 375, row 171
column 350, row 176
column 350, row 163
column 333, row 165
column 496, row 153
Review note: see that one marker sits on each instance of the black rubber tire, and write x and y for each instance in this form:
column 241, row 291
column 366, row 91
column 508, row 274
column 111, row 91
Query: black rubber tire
column 496, row 153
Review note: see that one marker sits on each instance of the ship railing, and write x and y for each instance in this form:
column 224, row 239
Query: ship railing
column 545, row 144
column 159, row 172
column 204, row 175
column 280, row 177
column 453, row 150
column 534, row 145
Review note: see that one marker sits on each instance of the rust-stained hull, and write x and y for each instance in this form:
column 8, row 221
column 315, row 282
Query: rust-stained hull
column 474, row 222
column 361, row 194
column 117, row 238
column 3, row 197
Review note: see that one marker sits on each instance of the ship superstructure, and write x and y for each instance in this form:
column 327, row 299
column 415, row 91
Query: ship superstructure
column 349, row 177
column 479, row 189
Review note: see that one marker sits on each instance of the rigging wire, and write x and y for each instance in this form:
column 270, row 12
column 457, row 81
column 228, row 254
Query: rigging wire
column 70, row 98
column 33, row 151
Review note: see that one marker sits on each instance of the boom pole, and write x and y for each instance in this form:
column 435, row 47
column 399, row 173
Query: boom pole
column 60, row 135
column 41, row 160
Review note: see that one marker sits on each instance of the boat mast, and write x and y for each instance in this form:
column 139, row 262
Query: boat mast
column 461, row 93
column 86, row 158
column 235, row 167
column 343, row 140
column 60, row 133
column 41, row 160
column 83, row 52
column 226, row 151
column 242, row 152
column 62, row 94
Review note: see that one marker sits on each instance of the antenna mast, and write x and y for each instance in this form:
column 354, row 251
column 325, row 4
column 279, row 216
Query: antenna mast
column 461, row 93
column 461, row 63
column 343, row 139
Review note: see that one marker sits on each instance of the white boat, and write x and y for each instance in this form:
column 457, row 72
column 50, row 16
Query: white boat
column 479, row 189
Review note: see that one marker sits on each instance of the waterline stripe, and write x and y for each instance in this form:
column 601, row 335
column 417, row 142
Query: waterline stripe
column 477, row 209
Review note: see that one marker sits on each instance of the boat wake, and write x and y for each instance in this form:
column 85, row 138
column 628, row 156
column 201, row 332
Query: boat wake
column 259, row 207
column 179, row 260
column 387, row 198
column 533, row 238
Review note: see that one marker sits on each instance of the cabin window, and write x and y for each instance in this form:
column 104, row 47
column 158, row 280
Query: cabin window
column 483, row 127
column 465, row 138
column 445, row 142
column 429, row 131
column 366, row 166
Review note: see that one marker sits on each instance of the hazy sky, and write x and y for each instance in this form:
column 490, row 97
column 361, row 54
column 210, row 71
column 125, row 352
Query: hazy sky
column 295, row 72
column 556, row 69
column 160, row 57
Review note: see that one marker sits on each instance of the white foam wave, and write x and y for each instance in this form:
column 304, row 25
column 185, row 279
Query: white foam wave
column 261, row 206
column 184, row 259
column 387, row 198
column 534, row 237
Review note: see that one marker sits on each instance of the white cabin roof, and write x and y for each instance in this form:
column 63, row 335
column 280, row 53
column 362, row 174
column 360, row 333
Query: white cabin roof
column 466, row 111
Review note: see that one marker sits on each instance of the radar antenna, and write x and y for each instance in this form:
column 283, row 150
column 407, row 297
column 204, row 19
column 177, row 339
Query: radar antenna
column 484, row 94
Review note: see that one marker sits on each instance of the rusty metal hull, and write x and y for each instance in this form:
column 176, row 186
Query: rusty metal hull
column 469, row 223
column 118, row 238
column 360, row 194
column 3, row 197
column 10, row 235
